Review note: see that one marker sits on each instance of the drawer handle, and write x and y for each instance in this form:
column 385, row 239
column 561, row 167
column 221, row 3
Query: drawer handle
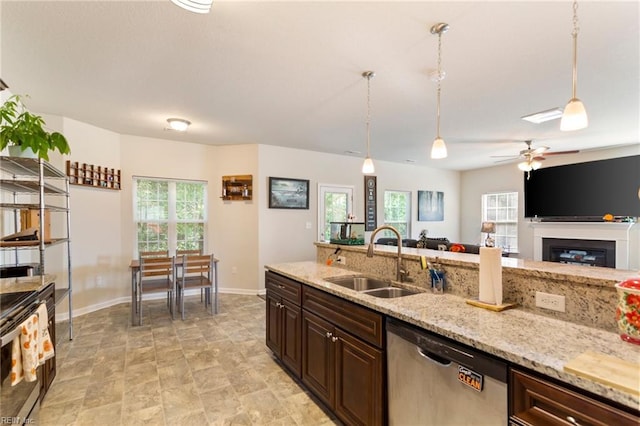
column 572, row 421
column 280, row 286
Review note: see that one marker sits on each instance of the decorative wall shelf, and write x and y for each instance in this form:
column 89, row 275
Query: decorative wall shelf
column 237, row 187
column 95, row 176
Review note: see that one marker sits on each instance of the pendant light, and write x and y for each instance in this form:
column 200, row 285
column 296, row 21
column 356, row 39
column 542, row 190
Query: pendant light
column 574, row 116
column 367, row 166
column 439, row 149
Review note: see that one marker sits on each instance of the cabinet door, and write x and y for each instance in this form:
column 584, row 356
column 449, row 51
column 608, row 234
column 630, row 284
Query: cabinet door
column 291, row 336
column 274, row 324
column 359, row 381
column 318, row 359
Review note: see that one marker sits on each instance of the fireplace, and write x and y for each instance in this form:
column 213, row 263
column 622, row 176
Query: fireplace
column 625, row 235
column 579, row 252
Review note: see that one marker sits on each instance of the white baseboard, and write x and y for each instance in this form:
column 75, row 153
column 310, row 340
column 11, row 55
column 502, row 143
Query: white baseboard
column 64, row 316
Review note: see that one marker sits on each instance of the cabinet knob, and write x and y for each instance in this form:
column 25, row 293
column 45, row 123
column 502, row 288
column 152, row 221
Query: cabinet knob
column 334, row 339
column 280, row 286
column 572, row 421
column 329, row 334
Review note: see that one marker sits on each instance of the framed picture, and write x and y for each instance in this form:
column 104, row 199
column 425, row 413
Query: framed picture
column 430, row 206
column 287, row 193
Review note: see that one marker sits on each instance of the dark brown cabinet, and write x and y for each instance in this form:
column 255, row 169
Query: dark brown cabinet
column 283, row 332
column 341, row 368
column 534, row 400
column 49, row 367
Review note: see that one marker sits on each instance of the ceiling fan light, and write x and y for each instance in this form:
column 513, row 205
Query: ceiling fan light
column 438, row 149
column 574, row 116
column 367, row 166
column 178, row 124
column 524, row 166
column 199, row 6
column 535, row 164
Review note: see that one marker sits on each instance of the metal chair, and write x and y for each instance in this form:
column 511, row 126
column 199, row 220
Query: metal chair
column 197, row 271
column 159, row 253
column 157, row 275
column 190, row 252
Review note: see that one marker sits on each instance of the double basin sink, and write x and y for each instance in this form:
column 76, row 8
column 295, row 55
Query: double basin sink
column 371, row 286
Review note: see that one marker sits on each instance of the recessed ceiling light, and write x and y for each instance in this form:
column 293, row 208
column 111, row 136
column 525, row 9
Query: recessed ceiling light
column 178, row 124
column 542, row 116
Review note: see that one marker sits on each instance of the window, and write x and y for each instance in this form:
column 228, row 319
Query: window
column 334, row 204
column 397, row 213
column 170, row 215
column 502, row 208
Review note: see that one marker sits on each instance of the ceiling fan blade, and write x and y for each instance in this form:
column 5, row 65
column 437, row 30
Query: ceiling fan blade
column 506, row 159
column 538, row 158
column 505, row 156
column 539, row 150
column 575, row 151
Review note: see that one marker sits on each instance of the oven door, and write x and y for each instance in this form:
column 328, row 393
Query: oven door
column 20, row 402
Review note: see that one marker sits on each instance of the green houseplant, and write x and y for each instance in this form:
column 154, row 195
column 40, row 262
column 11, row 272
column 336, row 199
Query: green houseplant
column 19, row 127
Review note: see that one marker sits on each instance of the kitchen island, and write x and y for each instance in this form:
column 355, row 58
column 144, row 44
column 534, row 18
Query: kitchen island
column 523, row 338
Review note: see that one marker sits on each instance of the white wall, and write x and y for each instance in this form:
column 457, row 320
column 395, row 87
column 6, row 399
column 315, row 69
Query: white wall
column 283, row 234
column 508, row 177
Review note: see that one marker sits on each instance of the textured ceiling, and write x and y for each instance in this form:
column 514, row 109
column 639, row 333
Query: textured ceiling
column 289, row 73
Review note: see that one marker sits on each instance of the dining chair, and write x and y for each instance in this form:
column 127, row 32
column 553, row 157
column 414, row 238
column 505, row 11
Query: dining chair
column 158, row 253
column 190, row 252
column 157, row 275
column 197, row 271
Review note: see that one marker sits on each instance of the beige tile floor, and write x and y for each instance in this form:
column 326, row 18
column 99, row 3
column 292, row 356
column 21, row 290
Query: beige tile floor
column 206, row 369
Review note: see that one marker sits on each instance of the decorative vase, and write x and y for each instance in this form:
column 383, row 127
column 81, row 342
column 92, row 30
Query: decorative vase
column 16, row 151
column 628, row 310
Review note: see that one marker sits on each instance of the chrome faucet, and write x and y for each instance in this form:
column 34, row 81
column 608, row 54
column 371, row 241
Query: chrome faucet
column 401, row 273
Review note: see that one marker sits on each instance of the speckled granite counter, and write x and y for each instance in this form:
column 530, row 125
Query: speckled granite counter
column 36, row 282
column 533, row 341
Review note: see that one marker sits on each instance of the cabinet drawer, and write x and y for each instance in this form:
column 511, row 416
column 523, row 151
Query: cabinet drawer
column 285, row 287
column 536, row 401
column 355, row 319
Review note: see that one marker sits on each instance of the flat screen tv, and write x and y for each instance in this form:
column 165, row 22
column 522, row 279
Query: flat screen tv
column 584, row 191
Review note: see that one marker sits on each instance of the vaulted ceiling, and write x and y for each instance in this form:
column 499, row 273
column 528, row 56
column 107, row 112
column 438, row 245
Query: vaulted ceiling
column 288, row 73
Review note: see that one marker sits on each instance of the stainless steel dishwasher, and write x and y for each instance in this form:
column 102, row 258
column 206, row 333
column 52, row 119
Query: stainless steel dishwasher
column 433, row 381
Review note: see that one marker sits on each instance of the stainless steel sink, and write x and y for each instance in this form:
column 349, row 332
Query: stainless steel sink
column 358, row 282
column 390, row 292
column 368, row 285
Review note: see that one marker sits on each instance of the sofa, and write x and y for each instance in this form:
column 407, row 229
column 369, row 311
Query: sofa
column 433, row 244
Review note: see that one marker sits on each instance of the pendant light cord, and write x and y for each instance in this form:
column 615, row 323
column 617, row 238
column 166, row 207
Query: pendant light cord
column 439, row 81
column 368, row 114
column 574, row 34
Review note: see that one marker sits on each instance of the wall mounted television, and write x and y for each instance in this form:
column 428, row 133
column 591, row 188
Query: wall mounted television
column 584, row 191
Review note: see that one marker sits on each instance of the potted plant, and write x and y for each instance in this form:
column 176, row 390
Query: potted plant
column 23, row 130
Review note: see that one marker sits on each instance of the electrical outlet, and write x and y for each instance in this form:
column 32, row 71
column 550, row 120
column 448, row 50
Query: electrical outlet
column 554, row 302
column 342, row 260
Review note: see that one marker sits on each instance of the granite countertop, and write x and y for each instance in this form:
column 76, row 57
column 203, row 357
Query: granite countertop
column 533, row 341
column 553, row 270
column 35, row 282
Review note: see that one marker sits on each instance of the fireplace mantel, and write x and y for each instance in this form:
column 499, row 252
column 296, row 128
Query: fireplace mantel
column 620, row 232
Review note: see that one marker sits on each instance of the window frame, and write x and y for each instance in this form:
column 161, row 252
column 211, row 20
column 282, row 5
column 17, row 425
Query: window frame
column 515, row 209
column 408, row 215
column 324, row 188
column 172, row 221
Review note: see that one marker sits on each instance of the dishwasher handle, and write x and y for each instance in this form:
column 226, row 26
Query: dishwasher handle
column 438, row 360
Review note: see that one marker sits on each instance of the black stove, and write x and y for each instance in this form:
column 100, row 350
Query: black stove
column 15, row 308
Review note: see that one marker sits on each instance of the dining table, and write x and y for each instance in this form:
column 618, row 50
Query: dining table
column 134, row 267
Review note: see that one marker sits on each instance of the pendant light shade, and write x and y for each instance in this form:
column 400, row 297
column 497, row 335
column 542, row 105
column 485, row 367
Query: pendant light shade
column 439, row 148
column 574, row 116
column 367, row 166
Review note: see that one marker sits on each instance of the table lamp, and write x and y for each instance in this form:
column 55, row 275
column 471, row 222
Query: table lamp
column 489, row 228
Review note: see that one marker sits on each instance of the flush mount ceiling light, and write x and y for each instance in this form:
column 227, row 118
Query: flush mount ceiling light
column 367, row 166
column 439, row 149
column 195, row 6
column 543, row 116
column 574, row 116
column 178, row 124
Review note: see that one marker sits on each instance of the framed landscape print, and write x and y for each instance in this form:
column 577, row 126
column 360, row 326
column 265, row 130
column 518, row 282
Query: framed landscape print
column 285, row 193
column 430, row 206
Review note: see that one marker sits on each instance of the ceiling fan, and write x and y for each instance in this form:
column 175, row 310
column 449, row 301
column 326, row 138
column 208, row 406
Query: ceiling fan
column 532, row 157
